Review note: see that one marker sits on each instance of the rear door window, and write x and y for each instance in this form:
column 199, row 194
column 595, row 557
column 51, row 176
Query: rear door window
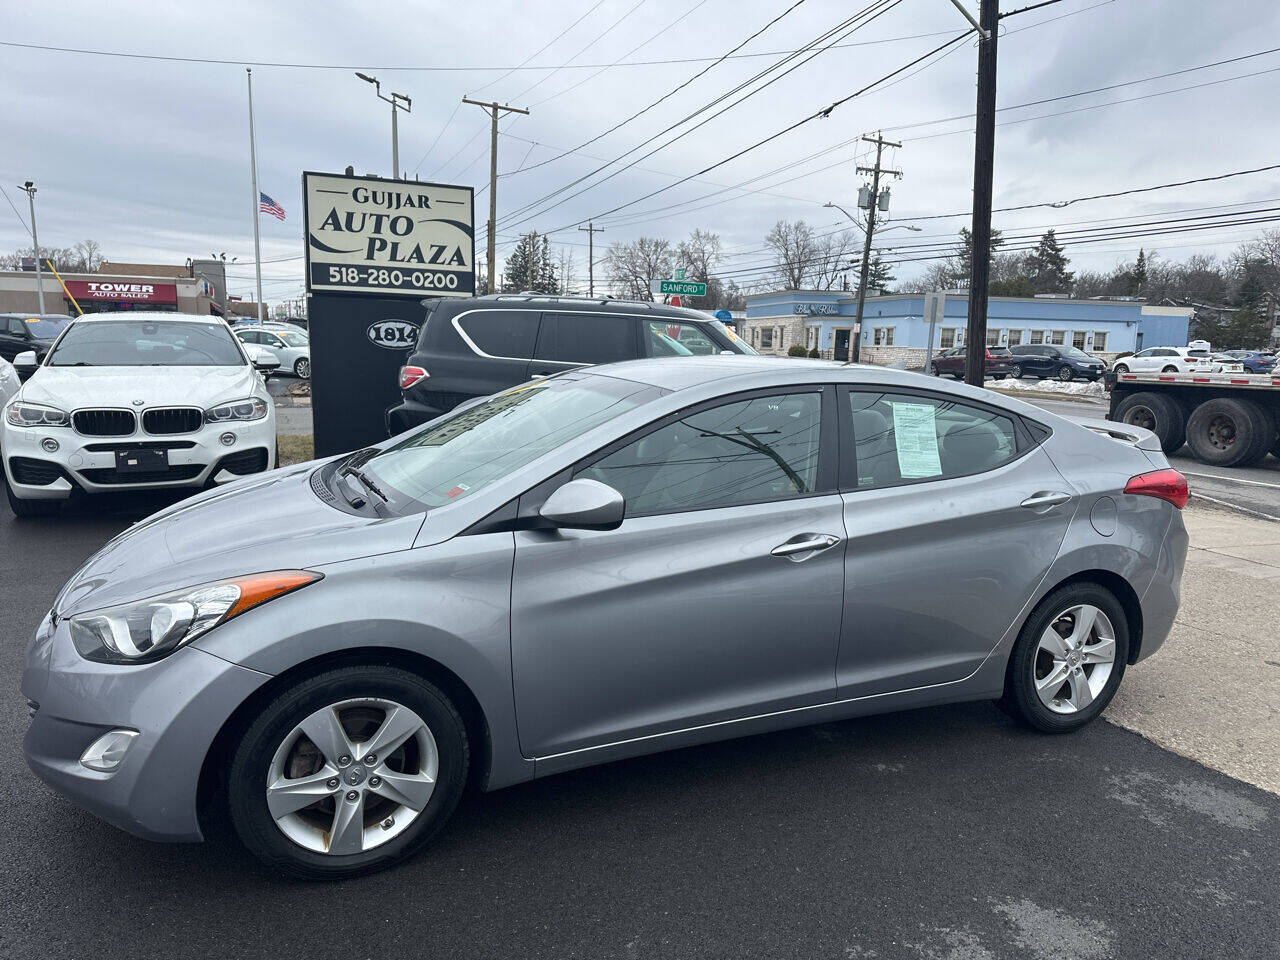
column 502, row 333
column 587, row 338
column 907, row 438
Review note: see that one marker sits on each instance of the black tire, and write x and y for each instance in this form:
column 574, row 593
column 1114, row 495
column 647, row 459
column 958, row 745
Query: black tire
column 1227, row 432
column 246, row 796
column 302, row 368
column 1155, row 412
column 1169, row 370
column 1275, row 447
column 27, row 509
column 933, row 369
column 1120, row 368
column 1020, row 699
column 1066, row 374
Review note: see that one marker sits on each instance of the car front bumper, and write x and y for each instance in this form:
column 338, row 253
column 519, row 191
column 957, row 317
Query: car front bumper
column 195, row 459
column 176, row 706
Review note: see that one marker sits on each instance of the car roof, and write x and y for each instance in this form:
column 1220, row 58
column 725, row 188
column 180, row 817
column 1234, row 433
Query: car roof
column 541, row 301
column 152, row 315
column 678, row 373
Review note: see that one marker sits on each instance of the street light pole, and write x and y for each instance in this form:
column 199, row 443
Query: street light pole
column 591, row 231
column 398, row 101
column 29, row 189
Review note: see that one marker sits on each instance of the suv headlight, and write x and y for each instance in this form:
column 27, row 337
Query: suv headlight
column 22, row 414
column 250, row 408
column 148, row 630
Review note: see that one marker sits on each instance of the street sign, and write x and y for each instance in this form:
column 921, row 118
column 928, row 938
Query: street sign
column 678, row 288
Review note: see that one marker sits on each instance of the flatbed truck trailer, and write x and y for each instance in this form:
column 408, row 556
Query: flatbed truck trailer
column 1226, row 419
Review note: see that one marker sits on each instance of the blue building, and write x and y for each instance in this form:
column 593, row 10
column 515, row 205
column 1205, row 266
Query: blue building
column 896, row 328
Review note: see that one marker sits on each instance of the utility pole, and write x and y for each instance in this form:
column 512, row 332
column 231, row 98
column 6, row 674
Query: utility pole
column 874, row 200
column 492, row 108
column 29, row 189
column 983, row 173
column 591, row 231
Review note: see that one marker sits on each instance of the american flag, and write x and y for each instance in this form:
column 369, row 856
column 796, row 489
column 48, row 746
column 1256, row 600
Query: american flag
column 267, row 205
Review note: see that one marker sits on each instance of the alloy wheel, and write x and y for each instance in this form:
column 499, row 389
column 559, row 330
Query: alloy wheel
column 303, row 369
column 1074, row 659
column 352, row 776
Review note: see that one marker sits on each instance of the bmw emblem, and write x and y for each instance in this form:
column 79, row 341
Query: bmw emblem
column 138, row 403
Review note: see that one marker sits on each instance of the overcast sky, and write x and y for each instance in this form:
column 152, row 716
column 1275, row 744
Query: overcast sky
column 150, row 157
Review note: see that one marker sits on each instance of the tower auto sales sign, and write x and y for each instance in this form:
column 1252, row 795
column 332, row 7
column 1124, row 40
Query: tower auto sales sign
column 397, row 237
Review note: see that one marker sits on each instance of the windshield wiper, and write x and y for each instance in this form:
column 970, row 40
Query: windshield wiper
column 366, row 480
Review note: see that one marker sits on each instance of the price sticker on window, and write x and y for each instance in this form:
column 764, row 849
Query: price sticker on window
column 915, row 433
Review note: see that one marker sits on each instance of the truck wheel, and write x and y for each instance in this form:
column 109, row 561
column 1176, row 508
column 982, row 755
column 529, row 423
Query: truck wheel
column 1157, row 413
column 1227, row 432
column 1275, row 447
column 1265, row 426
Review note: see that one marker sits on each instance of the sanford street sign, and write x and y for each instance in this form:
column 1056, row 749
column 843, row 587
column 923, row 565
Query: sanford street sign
column 678, row 288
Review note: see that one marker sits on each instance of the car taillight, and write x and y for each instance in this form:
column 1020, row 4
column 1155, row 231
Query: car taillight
column 411, row 375
column 1167, row 485
column 989, row 356
column 1192, row 359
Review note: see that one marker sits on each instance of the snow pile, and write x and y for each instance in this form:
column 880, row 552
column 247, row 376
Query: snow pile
column 1075, row 388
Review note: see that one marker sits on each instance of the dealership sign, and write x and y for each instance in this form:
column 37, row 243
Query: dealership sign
column 393, row 334
column 388, row 237
column 122, row 291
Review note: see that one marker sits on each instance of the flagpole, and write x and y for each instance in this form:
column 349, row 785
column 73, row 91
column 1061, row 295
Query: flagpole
column 253, row 166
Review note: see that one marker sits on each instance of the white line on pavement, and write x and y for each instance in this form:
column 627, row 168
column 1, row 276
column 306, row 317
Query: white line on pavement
column 1215, row 476
column 1234, row 506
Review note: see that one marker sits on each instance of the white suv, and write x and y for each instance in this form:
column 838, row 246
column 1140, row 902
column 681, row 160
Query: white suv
column 1162, row 360
column 127, row 401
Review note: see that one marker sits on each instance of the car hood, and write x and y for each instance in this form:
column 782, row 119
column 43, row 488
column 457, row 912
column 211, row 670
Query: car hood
column 71, row 388
column 271, row 521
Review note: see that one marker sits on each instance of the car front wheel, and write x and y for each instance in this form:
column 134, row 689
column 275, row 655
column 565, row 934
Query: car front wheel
column 347, row 772
column 1068, row 660
column 1119, row 368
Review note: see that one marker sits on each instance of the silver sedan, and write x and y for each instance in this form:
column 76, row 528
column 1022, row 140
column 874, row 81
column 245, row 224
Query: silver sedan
column 610, row 562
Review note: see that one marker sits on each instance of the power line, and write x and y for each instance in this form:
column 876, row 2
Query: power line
column 675, row 89
column 21, row 220
column 439, row 134
column 821, row 114
column 868, row 14
column 523, row 65
column 608, row 30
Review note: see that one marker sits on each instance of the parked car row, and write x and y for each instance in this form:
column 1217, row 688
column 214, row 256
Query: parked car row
column 288, row 344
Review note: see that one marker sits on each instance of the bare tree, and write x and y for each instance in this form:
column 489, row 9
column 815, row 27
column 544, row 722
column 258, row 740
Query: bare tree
column 90, row 253
column 794, row 251
column 565, row 268
column 699, row 255
column 832, row 258
column 632, row 267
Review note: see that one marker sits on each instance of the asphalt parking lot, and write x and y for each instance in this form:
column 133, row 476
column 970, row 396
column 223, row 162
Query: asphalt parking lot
column 941, row 833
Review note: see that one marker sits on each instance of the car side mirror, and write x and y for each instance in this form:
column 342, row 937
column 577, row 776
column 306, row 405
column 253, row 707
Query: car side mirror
column 25, row 363
column 585, row 505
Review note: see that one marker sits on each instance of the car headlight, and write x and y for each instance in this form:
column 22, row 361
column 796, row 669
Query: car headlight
column 250, row 408
column 22, row 414
column 150, row 629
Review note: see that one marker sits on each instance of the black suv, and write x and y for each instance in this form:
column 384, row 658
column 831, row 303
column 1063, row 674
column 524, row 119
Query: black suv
column 20, row 332
column 475, row 347
column 1044, row 360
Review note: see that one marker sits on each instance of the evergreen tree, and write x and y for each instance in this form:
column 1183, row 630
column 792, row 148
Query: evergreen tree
column 1140, row 273
column 1047, row 266
column 530, row 266
column 1019, row 286
column 963, row 262
column 879, row 273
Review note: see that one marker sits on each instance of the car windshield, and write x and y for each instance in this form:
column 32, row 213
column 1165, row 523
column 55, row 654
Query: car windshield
column 460, row 455
column 1075, row 354
column 294, row 338
column 146, row 343
column 46, row 328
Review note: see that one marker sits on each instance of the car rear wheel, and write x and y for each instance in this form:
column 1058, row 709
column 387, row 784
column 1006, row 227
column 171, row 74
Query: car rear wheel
column 347, row 772
column 1065, row 373
column 1169, row 370
column 1068, row 660
column 1227, row 432
column 933, row 369
column 302, row 368
column 1161, row 415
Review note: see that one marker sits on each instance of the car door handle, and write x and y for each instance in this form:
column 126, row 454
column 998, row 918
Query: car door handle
column 1045, row 500
column 809, row 544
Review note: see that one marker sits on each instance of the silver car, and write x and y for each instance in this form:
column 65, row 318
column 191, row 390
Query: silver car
column 610, row 562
